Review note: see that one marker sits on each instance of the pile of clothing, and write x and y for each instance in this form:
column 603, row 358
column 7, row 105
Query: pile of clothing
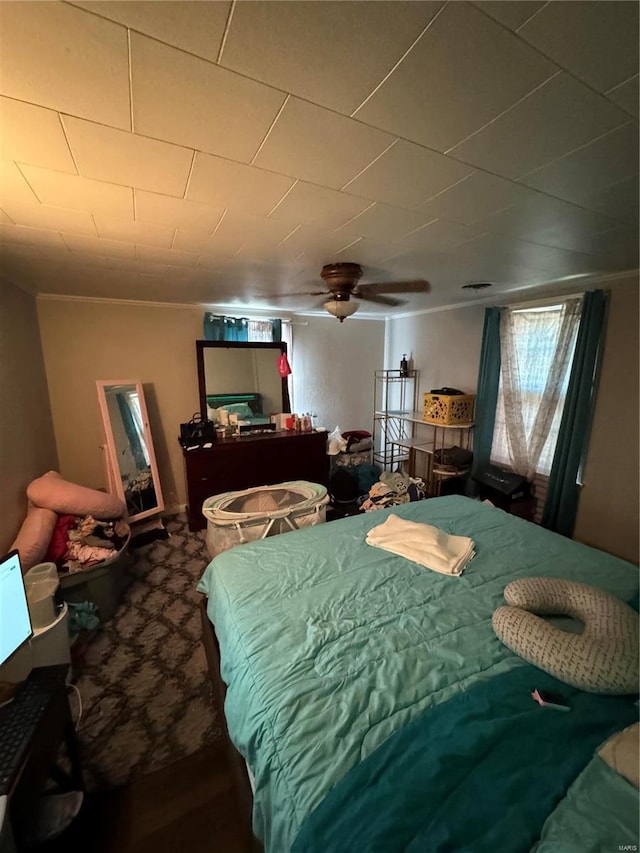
column 393, row 489
column 79, row 543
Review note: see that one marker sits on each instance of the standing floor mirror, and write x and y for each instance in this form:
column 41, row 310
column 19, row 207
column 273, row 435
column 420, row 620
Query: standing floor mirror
column 131, row 462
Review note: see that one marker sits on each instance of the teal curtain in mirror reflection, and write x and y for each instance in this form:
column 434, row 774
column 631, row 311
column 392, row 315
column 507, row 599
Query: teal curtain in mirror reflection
column 221, row 328
column 131, row 430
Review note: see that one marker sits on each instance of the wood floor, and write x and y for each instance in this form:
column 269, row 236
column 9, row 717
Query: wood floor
column 187, row 807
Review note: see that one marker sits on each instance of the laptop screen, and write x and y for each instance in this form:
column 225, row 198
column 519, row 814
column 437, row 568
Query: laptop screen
column 15, row 624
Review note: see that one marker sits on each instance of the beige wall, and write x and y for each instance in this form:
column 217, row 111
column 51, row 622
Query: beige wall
column 608, row 516
column 87, row 341
column 333, row 366
column 84, row 341
column 27, row 445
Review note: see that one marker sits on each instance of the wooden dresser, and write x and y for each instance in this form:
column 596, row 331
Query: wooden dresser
column 238, row 463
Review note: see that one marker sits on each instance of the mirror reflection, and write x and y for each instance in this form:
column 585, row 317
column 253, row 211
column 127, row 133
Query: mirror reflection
column 241, row 378
column 133, row 470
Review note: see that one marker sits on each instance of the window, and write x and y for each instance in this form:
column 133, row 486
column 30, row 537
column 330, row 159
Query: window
column 537, row 347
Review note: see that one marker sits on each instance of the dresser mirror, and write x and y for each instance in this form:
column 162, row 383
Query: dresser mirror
column 131, row 462
column 241, row 378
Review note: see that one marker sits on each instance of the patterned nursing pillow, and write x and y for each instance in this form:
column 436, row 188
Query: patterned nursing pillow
column 603, row 659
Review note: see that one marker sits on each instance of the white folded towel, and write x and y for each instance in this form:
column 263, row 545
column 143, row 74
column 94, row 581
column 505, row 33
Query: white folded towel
column 423, row 544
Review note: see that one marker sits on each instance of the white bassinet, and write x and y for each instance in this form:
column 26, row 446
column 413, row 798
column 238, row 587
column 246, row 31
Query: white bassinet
column 234, row 518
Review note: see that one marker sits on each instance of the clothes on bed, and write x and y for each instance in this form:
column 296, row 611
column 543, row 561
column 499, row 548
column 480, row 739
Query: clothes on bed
column 460, row 787
column 423, row 544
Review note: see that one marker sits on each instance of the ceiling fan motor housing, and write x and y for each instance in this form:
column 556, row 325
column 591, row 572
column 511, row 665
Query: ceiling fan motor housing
column 341, row 279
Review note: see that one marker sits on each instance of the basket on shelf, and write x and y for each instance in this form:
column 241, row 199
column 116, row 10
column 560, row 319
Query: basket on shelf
column 448, row 409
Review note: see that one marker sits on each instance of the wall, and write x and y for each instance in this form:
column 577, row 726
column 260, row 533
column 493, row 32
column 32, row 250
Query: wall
column 609, row 508
column 333, row 366
column 84, row 341
column 27, row 445
column 443, row 345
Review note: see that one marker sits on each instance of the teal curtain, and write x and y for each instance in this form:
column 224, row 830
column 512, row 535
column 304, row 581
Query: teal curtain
column 276, row 330
column 561, row 506
column 487, row 393
column 218, row 328
column 132, row 432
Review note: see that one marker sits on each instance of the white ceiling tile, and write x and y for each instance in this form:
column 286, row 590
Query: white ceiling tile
column 13, row 185
column 627, row 96
column 171, row 257
column 384, row 222
column 319, row 146
column 194, row 26
column 261, row 241
column 333, row 54
column 73, row 191
column 54, row 218
column 5, row 220
column 310, row 204
column 315, row 248
column 463, row 72
column 245, row 188
column 406, row 175
column 620, row 201
column 511, row 13
column 596, row 41
column 128, row 231
column 473, row 198
column 234, row 231
column 61, row 57
column 33, row 135
column 124, row 158
column 576, row 176
column 371, row 252
column 440, row 235
column 38, row 237
column 557, row 118
column 189, row 101
column 99, row 246
column 176, row 212
column 549, row 221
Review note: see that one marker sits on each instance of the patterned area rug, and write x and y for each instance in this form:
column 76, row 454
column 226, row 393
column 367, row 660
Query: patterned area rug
column 143, row 680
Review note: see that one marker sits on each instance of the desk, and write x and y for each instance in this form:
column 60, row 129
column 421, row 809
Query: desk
column 37, row 761
column 232, row 464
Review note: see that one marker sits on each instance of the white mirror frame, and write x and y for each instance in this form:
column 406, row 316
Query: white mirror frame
column 113, row 469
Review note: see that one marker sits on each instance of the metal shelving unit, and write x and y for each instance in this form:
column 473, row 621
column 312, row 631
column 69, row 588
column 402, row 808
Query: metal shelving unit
column 395, row 399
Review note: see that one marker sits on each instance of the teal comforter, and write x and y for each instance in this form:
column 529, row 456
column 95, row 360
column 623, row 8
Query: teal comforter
column 329, row 646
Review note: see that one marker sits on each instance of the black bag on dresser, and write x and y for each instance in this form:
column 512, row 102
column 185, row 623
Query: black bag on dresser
column 197, row 432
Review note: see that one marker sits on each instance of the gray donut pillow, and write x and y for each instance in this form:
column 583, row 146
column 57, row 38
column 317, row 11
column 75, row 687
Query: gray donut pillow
column 602, row 659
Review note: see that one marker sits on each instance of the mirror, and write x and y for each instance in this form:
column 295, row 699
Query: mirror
column 131, row 462
column 241, row 375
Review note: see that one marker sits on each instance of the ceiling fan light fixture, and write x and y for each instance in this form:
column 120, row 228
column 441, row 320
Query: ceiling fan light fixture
column 341, row 308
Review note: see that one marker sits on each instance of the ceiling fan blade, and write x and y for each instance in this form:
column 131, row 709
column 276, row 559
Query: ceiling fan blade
column 417, row 286
column 298, row 293
column 379, row 299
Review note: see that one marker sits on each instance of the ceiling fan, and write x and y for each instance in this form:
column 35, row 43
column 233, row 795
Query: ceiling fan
column 342, row 279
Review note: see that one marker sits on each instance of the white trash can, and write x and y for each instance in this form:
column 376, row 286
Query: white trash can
column 234, row 518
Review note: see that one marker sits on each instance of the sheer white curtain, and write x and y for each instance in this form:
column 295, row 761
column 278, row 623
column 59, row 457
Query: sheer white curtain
column 536, row 347
column 261, row 331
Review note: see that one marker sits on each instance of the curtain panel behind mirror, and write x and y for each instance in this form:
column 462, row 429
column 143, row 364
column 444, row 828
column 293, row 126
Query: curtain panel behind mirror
column 222, row 328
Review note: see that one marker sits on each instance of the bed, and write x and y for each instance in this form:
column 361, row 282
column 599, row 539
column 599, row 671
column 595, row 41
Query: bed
column 248, row 407
column 348, row 671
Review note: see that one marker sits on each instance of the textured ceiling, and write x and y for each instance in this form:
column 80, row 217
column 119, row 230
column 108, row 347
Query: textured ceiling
column 222, row 152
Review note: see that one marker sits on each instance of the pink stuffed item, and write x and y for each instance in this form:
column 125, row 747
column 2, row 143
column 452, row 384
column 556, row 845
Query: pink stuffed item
column 52, row 492
column 34, row 536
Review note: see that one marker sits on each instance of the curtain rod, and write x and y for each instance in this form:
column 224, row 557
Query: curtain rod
column 548, row 300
